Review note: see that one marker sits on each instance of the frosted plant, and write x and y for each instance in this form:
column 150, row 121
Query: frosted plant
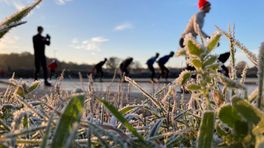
column 16, row 19
column 180, row 52
column 183, row 78
column 232, row 53
column 244, row 75
column 260, row 74
column 251, row 56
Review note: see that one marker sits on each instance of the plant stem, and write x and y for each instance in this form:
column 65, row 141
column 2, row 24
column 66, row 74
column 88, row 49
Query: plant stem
column 260, row 75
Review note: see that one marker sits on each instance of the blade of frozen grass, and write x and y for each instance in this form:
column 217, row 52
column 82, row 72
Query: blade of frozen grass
column 167, row 134
column 31, row 108
column 103, row 132
column 23, row 132
column 129, row 108
column 44, row 142
column 205, row 135
column 69, row 141
column 102, row 141
column 153, row 100
column 71, row 115
column 121, row 118
column 155, row 129
column 4, row 125
column 7, row 83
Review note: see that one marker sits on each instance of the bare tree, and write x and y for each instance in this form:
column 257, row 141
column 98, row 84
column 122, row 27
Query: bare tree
column 136, row 65
column 113, row 62
column 240, row 66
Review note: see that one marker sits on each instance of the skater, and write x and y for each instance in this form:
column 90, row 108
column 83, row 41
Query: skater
column 150, row 63
column 98, row 69
column 124, row 66
column 164, row 71
column 196, row 22
column 39, row 43
column 195, row 25
column 52, row 67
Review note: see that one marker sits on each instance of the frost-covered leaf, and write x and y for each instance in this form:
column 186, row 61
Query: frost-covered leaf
column 198, row 64
column 213, row 42
column 205, row 135
column 194, row 49
column 228, row 115
column 210, row 60
column 184, row 77
column 34, row 86
column 193, row 87
column 250, row 113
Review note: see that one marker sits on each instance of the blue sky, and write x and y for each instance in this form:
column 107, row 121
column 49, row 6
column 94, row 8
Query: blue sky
column 86, row 31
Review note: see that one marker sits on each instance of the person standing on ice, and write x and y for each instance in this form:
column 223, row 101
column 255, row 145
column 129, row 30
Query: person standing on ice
column 39, row 43
column 150, row 62
column 195, row 26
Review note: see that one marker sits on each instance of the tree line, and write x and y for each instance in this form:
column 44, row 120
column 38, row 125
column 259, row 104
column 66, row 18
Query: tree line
column 23, row 65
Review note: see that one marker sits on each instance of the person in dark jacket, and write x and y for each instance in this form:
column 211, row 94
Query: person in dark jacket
column 98, row 68
column 124, row 66
column 39, row 43
column 150, row 63
column 164, row 71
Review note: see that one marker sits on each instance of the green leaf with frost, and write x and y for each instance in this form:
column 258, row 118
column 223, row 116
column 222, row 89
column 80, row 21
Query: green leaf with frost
column 33, row 86
column 122, row 119
column 20, row 91
column 213, row 67
column 25, row 121
column 228, row 115
column 198, row 64
column 250, row 113
column 193, row 87
column 241, row 129
column 184, row 77
column 220, row 131
column 194, row 50
column 206, row 130
column 71, row 115
column 209, row 61
column 129, row 108
column 213, row 42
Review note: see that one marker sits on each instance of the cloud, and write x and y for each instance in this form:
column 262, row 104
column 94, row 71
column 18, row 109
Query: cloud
column 92, row 44
column 9, row 43
column 62, row 2
column 123, row 26
column 18, row 4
